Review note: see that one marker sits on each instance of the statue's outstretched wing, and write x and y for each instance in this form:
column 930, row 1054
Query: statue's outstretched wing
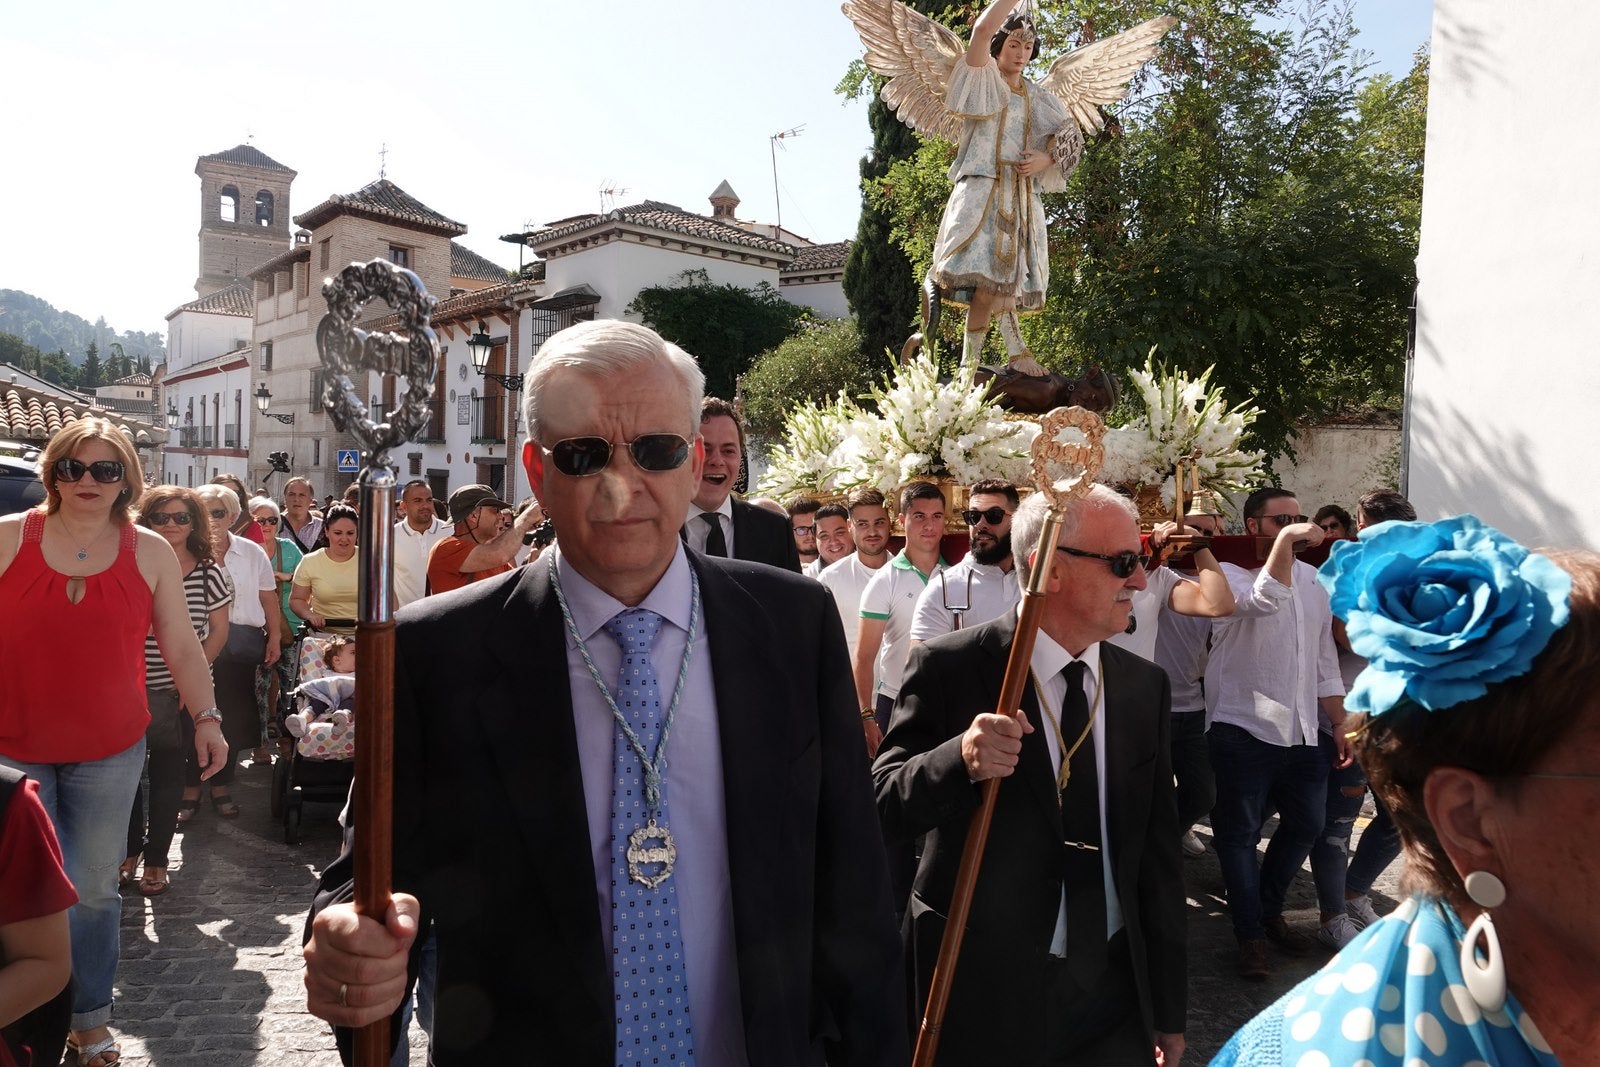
column 1098, row 73
column 917, row 55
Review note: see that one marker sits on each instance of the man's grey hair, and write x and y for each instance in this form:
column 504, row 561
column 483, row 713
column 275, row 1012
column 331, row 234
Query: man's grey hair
column 610, row 348
column 223, row 495
column 259, row 502
column 1028, row 523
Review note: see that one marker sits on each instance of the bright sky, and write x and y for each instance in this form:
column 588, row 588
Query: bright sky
column 497, row 114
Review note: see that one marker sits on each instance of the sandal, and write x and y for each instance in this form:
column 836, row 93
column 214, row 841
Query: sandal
column 223, row 805
column 154, row 884
column 102, row 1053
column 188, row 808
column 128, row 873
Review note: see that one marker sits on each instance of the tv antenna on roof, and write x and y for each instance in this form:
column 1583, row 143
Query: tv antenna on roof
column 608, row 196
column 772, row 145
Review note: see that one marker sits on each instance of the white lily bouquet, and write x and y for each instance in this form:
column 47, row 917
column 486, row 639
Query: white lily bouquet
column 922, row 429
column 1184, row 417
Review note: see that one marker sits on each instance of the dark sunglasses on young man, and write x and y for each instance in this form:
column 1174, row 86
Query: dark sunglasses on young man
column 161, row 518
column 1122, row 563
column 992, row 516
column 579, row 457
column 1286, row 520
column 104, row 471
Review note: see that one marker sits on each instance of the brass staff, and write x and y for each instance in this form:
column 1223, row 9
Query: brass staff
column 1062, row 470
column 411, row 354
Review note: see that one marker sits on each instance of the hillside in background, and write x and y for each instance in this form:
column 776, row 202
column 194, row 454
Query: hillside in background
column 39, row 324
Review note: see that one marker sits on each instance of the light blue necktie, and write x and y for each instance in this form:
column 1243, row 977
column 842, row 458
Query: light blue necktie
column 649, row 977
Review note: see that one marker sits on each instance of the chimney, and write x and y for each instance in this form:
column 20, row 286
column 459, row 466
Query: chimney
column 724, row 202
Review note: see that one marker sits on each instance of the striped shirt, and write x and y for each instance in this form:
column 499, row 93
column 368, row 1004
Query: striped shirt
column 205, row 589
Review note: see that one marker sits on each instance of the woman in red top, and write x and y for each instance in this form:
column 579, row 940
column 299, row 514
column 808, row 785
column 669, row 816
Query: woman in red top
column 35, row 950
column 80, row 588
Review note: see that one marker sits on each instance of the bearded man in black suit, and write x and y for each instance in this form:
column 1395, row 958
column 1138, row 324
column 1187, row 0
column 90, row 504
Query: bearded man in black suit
column 552, row 804
column 1075, row 945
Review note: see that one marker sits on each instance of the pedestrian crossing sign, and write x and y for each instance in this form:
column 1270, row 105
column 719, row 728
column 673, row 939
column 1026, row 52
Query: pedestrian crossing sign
column 349, row 460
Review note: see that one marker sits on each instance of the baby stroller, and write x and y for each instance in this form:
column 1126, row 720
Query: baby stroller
column 321, row 762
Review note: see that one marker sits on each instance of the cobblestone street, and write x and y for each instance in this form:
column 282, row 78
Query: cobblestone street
column 211, row 970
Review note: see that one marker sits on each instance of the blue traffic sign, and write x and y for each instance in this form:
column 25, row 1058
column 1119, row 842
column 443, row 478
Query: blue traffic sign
column 349, row 460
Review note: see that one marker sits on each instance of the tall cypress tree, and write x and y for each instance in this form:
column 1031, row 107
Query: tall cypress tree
column 877, row 276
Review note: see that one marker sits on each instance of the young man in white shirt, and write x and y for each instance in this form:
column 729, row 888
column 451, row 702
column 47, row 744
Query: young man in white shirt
column 418, row 530
column 833, row 539
column 983, row 585
column 848, row 578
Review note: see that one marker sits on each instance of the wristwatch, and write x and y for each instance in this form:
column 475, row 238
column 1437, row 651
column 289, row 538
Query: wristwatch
column 209, row 715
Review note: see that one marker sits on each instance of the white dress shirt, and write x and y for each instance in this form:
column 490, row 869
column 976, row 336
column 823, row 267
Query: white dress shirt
column 411, row 548
column 697, row 528
column 1147, row 605
column 251, row 571
column 1048, row 661
column 994, row 592
column 693, row 789
column 1273, row 657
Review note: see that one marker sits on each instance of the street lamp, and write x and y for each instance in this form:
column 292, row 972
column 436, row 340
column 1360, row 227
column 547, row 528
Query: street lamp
column 482, row 346
column 263, row 397
column 172, row 414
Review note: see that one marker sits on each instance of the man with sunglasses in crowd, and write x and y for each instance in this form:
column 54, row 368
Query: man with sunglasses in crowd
column 719, row 523
column 1272, row 675
column 480, row 547
column 1075, row 946
column 983, row 585
column 624, row 735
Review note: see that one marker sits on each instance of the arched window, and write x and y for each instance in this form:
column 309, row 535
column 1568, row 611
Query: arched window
column 263, row 208
column 229, row 211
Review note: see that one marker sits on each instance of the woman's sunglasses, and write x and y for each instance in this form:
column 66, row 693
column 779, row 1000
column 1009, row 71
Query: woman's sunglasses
column 161, row 518
column 268, row 520
column 1122, row 563
column 104, row 471
column 579, row 457
column 219, row 513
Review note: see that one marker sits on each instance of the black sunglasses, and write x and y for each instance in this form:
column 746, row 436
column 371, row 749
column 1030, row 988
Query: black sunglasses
column 161, row 518
column 270, row 520
column 104, row 471
column 579, row 457
column 1332, row 526
column 992, row 516
column 219, row 513
column 1286, row 520
column 1122, row 563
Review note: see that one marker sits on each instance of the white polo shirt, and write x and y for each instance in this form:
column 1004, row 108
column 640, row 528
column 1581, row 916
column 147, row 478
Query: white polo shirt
column 411, row 547
column 993, row 592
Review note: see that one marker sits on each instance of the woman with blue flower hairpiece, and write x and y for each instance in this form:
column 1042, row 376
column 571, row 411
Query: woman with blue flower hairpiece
column 1482, row 693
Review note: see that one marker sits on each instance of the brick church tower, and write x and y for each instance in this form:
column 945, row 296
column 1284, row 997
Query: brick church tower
column 244, row 215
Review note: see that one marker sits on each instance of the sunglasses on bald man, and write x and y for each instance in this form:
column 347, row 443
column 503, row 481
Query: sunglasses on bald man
column 579, row 457
column 1122, row 563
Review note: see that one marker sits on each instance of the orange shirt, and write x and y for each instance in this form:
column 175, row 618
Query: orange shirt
column 444, row 565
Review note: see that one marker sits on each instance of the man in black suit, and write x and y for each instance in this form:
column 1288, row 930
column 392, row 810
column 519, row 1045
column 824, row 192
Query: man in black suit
column 721, row 524
column 519, row 774
column 1054, row 969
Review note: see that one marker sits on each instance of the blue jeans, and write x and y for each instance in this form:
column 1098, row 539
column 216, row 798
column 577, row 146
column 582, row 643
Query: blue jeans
column 1191, row 765
column 1380, row 844
column 1330, row 856
column 1254, row 778
column 88, row 803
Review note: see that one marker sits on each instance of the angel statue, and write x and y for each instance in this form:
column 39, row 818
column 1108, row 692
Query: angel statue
column 1015, row 139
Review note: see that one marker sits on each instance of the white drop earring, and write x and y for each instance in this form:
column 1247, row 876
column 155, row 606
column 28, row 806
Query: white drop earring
column 1485, row 980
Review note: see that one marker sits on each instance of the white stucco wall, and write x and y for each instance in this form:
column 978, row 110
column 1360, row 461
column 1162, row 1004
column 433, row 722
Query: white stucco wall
column 1506, row 385
column 619, row 269
column 196, row 336
column 825, row 298
column 1337, row 464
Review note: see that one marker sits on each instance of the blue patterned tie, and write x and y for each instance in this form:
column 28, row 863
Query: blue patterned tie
column 649, row 978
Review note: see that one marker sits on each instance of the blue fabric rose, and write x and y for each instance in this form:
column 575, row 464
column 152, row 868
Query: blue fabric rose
column 1441, row 609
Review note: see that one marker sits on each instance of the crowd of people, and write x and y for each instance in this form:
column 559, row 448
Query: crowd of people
column 778, row 890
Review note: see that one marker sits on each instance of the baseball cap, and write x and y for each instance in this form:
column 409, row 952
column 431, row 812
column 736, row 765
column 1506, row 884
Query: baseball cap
column 469, row 497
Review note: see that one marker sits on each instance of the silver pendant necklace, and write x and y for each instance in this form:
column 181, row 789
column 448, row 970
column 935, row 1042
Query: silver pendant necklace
column 651, row 843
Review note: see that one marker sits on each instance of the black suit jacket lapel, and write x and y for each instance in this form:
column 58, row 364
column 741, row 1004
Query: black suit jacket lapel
column 526, row 711
column 1033, row 766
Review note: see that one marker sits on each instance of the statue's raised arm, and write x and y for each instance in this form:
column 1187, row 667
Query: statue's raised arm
column 1015, row 139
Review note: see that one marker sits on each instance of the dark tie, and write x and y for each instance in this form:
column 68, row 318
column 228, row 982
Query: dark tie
column 1080, row 830
column 647, row 972
column 716, row 544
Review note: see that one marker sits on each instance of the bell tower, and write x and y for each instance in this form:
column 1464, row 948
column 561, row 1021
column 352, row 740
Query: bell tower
column 244, row 215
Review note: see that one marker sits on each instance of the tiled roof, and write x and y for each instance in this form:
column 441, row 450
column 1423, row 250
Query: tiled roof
column 383, row 199
column 724, row 191
column 465, row 305
column 136, row 378
column 248, row 156
column 237, row 298
column 812, row 258
column 283, row 262
column 465, row 263
column 658, row 216
column 26, row 414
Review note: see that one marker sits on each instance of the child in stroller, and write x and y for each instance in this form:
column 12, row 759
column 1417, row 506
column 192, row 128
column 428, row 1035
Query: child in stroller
column 322, row 728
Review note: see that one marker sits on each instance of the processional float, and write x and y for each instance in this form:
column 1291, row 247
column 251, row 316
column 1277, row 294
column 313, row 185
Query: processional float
column 349, row 354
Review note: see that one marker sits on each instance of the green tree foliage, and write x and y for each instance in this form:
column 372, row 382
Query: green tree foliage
column 57, row 368
column 810, row 367
column 39, row 323
column 723, row 326
column 19, row 353
column 1253, row 205
column 89, row 373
